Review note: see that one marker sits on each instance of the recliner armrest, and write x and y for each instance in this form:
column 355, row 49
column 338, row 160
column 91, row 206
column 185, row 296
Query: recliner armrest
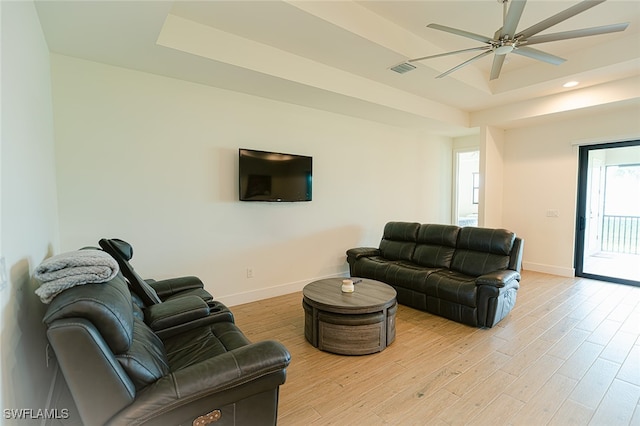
column 179, row 315
column 356, row 253
column 498, row 278
column 218, row 380
column 175, row 312
column 232, row 368
column 165, row 288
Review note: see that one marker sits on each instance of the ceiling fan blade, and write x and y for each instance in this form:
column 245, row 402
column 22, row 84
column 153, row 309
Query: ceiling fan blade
column 462, row 33
column 498, row 60
column 467, row 62
column 539, row 55
column 450, row 53
column 585, row 32
column 559, row 17
column 512, row 18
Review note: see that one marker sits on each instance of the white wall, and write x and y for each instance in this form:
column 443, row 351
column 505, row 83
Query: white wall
column 467, row 143
column 540, row 174
column 153, row 160
column 492, row 177
column 29, row 208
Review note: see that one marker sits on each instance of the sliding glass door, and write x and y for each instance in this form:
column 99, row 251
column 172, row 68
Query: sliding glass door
column 608, row 214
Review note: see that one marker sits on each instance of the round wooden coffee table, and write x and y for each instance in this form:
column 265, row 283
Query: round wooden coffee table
column 358, row 323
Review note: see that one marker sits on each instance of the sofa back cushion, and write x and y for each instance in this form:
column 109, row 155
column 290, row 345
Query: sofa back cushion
column 145, row 361
column 482, row 250
column 435, row 245
column 399, row 240
column 109, row 307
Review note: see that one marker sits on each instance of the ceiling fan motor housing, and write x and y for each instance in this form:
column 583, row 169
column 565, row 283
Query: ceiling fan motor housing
column 503, row 49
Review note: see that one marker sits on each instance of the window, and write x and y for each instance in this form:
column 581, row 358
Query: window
column 476, row 188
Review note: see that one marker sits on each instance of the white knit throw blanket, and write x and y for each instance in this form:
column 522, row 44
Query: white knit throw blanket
column 70, row 269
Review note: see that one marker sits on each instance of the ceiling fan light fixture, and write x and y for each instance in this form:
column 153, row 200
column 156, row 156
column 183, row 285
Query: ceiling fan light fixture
column 503, row 50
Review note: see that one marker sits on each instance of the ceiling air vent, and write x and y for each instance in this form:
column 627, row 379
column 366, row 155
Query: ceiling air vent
column 402, row 68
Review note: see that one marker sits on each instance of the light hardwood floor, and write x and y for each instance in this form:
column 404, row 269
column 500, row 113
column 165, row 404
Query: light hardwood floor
column 568, row 353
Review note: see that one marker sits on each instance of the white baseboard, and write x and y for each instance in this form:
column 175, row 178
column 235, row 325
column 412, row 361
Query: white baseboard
column 549, row 269
column 266, row 293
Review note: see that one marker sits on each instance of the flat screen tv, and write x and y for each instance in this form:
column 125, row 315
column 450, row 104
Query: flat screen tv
column 274, row 176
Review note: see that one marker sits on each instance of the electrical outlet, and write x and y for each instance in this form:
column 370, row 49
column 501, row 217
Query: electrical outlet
column 553, row 213
column 249, row 272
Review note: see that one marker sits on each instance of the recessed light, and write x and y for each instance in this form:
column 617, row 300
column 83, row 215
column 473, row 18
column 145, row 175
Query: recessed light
column 570, row 84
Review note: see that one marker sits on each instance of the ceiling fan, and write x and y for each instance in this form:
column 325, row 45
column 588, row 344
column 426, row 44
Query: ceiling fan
column 506, row 40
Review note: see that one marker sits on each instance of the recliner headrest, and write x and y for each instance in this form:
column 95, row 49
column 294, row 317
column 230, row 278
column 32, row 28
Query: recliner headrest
column 439, row 235
column 122, row 252
column 124, row 248
column 497, row 241
column 401, row 231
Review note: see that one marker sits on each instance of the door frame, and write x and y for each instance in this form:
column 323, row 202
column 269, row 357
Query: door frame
column 456, row 180
column 581, row 210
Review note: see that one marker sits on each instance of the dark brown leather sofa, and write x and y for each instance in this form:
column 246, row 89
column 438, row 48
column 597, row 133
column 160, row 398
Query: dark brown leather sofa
column 172, row 364
column 470, row 275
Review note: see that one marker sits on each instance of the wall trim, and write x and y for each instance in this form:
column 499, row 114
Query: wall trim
column 266, row 293
column 604, row 140
column 549, row 269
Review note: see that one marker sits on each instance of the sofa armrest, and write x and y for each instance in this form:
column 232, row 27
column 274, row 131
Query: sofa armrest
column 219, row 380
column 232, row 368
column 498, row 278
column 356, row 253
column 165, row 288
column 175, row 312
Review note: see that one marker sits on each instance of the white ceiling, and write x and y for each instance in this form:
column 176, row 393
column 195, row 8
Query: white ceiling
column 336, row 55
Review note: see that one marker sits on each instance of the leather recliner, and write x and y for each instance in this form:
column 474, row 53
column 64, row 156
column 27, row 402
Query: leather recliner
column 120, row 370
column 151, row 292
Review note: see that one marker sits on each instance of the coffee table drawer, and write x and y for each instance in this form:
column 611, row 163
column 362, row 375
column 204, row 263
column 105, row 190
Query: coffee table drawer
column 352, row 334
column 356, row 323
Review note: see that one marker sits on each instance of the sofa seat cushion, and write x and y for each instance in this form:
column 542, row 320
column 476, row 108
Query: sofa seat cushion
column 202, row 343
column 409, row 275
column 452, row 286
